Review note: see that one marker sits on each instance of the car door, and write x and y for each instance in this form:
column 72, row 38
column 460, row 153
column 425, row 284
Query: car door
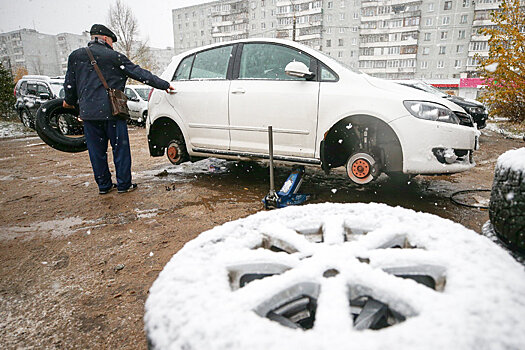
column 263, row 95
column 31, row 99
column 201, row 97
column 133, row 103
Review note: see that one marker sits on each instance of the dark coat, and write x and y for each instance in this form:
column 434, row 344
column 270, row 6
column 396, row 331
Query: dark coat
column 82, row 85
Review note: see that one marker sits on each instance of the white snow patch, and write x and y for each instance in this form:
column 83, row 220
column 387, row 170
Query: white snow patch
column 12, row 129
column 146, row 213
column 192, row 305
column 513, row 159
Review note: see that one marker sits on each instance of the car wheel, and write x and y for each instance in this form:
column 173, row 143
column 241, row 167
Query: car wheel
column 176, row 152
column 26, row 118
column 507, row 199
column 329, row 275
column 63, row 125
column 48, row 127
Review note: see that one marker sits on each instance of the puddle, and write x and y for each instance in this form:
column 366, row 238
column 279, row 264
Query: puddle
column 56, row 228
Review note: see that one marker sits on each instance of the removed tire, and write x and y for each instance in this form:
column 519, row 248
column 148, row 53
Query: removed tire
column 507, row 199
column 50, row 126
column 338, row 276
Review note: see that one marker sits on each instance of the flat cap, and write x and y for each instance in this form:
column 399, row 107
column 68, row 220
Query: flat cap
column 100, row 29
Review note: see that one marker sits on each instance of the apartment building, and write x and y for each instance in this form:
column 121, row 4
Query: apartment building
column 66, row 43
column 393, row 39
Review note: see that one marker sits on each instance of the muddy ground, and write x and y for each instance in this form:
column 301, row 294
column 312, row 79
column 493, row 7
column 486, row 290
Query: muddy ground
column 76, row 267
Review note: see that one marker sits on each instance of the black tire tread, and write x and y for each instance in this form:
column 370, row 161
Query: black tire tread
column 507, row 207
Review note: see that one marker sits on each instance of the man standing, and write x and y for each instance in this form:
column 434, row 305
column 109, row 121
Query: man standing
column 82, row 86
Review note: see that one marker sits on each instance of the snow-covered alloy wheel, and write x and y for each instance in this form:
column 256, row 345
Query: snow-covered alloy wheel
column 507, row 199
column 176, row 152
column 338, row 276
column 26, row 118
column 362, row 168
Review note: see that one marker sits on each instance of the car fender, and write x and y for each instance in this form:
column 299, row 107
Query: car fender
column 162, row 112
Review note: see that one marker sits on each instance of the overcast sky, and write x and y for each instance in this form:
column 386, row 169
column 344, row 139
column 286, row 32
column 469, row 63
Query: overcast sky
column 75, row 16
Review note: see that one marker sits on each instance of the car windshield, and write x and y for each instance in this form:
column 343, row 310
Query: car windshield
column 426, row 88
column 143, row 93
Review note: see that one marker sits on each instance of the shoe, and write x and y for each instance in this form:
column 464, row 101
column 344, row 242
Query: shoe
column 131, row 188
column 106, row 191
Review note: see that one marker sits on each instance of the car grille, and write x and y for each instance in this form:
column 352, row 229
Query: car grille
column 464, row 119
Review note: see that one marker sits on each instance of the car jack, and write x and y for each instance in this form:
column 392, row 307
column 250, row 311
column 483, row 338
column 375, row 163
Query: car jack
column 287, row 195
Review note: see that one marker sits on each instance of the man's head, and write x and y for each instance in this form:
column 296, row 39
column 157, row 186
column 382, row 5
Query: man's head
column 104, row 33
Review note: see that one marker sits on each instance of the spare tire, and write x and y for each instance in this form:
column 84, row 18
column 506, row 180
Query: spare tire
column 47, row 127
column 507, row 199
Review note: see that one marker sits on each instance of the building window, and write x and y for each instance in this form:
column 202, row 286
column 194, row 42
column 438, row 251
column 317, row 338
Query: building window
column 446, row 20
column 341, row 42
column 342, row 16
column 428, row 36
column 424, row 64
column 448, row 5
column 342, row 3
column 428, row 22
column 329, row 18
column 354, row 41
column 328, row 43
column 457, row 64
column 461, row 34
column 340, row 54
column 441, row 64
column 442, row 50
column 329, row 31
column 330, row 4
column 426, row 50
column 356, row 15
column 466, row 3
column 444, row 35
column 459, row 48
column 263, row 25
column 430, row 7
column 464, row 19
column 341, row 30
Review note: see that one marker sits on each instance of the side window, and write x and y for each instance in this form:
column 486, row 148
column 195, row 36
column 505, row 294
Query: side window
column 268, row 61
column 326, row 74
column 31, row 89
column 42, row 89
column 184, row 69
column 129, row 93
column 211, row 64
column 23, row 88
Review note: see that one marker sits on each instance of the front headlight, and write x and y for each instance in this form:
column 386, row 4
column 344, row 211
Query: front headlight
column 431, row 111
column 475, row 110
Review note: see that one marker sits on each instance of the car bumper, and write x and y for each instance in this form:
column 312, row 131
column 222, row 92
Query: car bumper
column 435, row 147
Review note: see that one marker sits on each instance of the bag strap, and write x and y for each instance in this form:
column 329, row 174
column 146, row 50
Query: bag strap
column 97, row 69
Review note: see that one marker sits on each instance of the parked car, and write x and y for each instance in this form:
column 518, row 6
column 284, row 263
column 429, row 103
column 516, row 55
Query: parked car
column 475, row 109
column 33, row 90
column 322, row 113
column 137, row 102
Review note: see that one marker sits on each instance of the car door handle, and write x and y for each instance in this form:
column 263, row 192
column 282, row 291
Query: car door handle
column 238, row 91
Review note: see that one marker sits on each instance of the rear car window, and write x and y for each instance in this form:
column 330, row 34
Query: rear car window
column 211, row 64
column 184, row 69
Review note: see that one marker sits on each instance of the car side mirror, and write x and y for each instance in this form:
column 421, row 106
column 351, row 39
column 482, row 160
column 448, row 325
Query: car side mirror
column 298, row 69
column 44, row 96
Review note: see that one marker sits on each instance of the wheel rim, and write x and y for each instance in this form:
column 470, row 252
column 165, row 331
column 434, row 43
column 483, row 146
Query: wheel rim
column 361, row 168
column 63, row 125
column 25, row 119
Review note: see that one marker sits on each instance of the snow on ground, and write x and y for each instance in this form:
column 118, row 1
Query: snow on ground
column 203, row 166
column 513, row 159
column 491, row 126
column 13, row 129
column 195, row 302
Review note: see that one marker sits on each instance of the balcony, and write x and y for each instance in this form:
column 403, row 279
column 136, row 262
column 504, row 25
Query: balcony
column 482, row 6
column 387, row 57
column 390, row 43
column 369, row 31
column 482, row 23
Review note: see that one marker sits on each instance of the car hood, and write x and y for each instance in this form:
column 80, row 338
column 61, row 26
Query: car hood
column 464, row 102
column 409, row 93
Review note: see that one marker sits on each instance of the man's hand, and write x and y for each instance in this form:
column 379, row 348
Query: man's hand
column 65, row 105
column 171, row 90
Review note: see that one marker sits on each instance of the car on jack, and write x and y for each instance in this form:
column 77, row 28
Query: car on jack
column 322, row 113
column 475, row 109
column 137, row 102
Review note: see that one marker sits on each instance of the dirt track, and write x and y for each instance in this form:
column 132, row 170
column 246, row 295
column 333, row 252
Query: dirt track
column 76, row 266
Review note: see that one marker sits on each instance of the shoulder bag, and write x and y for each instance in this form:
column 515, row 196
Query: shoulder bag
column 117, row 99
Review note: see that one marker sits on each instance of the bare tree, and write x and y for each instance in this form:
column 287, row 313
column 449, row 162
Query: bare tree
column 124, row 24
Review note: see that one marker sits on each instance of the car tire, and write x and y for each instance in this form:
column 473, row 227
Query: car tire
column 26, row 118
column 507, row 204
column 352, row 273
column 48, row 130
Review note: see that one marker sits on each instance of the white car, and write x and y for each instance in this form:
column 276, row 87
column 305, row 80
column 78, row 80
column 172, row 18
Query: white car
column 137, row 102
column 322, row 113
